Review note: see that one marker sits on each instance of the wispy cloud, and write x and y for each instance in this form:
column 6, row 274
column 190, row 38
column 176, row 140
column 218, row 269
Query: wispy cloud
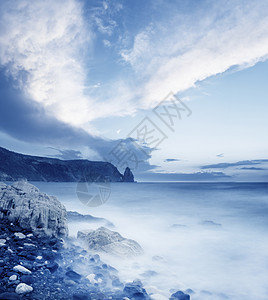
column 183, row 48
column 235, row 164
column 171, row 160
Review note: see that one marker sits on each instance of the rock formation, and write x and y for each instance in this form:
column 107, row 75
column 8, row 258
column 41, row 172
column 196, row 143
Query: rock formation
column 15, row 166
column 29, row 209
column 128, row 175
column 105, row 240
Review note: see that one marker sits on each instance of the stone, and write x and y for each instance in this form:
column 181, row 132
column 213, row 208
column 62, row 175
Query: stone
column 21, row 269
column 105, row 240
column 135, row 291
column 28, row 208
column 23, row 288
column 27, row 279
column 128, row 175
column 73, row 275
column 9, row 296
column 179, row 296
column 13, row 277
column 20, row 235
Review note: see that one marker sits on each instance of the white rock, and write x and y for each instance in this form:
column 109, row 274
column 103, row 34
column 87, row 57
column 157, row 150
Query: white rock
column 13, row 277
column 105, row 240
column 21, row 269
column 39, row 257
column 2, row 242
column 24, row 203
column 91, row 278
column 29, row 235
column 23, row 288
column 29, row 244
column 20, row 235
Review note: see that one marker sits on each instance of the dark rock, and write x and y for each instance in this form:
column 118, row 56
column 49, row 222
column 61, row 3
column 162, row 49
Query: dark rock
column 9, row 296
column 15, row 166
column 135, row 291
column 179, row 296
column 52, row 266
column 27, row 279
column 73, row 275
column 81, row 296
column 128, row 175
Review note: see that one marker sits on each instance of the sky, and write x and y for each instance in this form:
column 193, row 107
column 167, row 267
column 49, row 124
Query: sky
column 176, row 90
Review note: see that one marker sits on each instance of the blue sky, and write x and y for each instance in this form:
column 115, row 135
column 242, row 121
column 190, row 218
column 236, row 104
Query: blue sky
column 77, row 77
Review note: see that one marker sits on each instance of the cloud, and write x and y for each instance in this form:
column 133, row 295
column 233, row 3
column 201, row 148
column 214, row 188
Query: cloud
column 42, row 44
column 171, row 160
column 198, row 176
column 67, row 154
column 236, row 164
column 28, row 121
column 220, row 155
column 252, row 168
column 186, row 47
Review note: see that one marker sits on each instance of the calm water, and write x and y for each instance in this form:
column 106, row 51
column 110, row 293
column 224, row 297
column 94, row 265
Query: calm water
column 210, row 237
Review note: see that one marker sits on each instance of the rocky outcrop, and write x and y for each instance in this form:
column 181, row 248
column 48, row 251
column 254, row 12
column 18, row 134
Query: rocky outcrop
column 73, row 216
column 15, row 166
column 105, row 240
column 128, row 175
column 26, row 207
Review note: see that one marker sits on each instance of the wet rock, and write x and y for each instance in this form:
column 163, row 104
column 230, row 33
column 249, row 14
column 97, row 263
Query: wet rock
column 179, row 296
column 73, row 275
column 21, row 269
column 105, row 240
column 23, row 288
column 9, row 296
column 135, row 291
column 30, row 210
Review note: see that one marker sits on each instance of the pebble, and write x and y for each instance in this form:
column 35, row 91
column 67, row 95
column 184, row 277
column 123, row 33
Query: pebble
column 23, row 288
column 20, row 235
column 13, row 277
column 21, row 269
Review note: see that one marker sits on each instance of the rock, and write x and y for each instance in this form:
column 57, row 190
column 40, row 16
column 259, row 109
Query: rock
column 2, row 242
column 15, row 166
column 179, row 296
column 81, row 296
column 13, row 277
column 23, row 288
column 52, row 266
column 135, row 291
column 9, row 296
column 73, row 216
column 31, row 210
column 128, row 175
column 73, row 275
column 105, row 240
column 21, row 269
column 20, row 235
column 27, row 279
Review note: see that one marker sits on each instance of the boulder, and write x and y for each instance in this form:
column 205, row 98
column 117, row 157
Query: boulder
column 108, row 241
column 23, row 288
column 179, row 296
column 29, row 209
column 135, row 291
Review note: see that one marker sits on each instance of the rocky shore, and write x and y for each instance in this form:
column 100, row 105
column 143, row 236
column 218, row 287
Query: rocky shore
column 39, row 261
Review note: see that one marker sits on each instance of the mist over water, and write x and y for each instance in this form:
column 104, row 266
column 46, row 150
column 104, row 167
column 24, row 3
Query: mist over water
column 208, row 237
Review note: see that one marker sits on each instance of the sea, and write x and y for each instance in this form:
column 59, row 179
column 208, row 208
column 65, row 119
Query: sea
column 209, row 239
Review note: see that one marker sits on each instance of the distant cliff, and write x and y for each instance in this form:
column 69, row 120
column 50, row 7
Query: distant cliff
column 15, row 166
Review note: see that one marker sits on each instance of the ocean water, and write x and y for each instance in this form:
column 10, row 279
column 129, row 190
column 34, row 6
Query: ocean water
column 211, row 238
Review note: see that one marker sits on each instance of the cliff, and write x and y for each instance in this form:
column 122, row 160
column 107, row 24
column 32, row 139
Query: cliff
column 15, row 166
